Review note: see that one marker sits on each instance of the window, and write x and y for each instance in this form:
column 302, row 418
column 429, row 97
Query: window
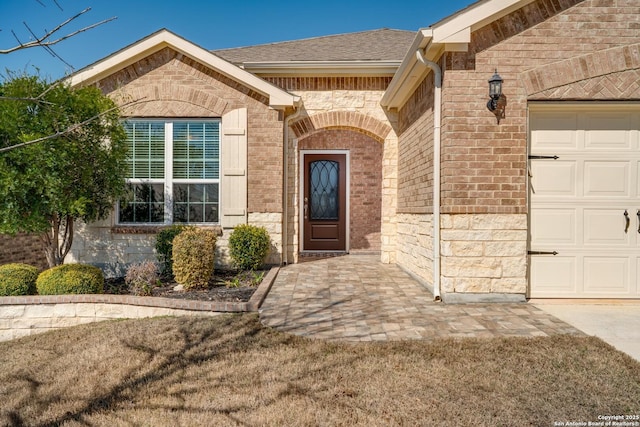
column 174, row 172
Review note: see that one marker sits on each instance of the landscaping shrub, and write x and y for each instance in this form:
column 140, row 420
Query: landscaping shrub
column 18, row 279
column 71, row 279
column 164, row 246
column 248, row 246
column 142, row 277
column 193, row 256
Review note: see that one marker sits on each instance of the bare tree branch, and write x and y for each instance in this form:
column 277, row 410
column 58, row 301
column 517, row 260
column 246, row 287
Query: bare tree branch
column 49, row 48
column 35, row 100
column 68, row 129
column 44, row 41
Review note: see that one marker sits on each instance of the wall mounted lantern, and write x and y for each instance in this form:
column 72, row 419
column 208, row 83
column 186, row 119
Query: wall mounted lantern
column 498, row 101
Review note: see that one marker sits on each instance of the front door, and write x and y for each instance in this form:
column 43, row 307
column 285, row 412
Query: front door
column 324, row 202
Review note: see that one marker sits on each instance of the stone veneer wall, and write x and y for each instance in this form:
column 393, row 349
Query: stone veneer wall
column 480, row 254
column 27, row 319
column 272, row 222
column 484, row 254
column 113, row 249
column 415, row 246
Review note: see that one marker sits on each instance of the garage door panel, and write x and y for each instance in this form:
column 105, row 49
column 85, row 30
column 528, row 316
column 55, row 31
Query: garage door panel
column 609, row 131
column 555, row 130
column 554, row 178
column 606, row 276
column 578, row 201
column 605, row 227
column 553, row 227
column 557, row 276
column 607, row 179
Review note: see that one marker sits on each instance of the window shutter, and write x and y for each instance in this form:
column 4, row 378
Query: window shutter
column 233, row 159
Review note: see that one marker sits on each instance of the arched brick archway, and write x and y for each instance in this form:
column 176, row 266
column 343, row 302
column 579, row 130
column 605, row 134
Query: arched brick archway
column 346, row 120
column 606, row 74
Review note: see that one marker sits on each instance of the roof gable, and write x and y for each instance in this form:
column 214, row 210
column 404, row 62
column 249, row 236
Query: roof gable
column 157, row 41
column 450, row 34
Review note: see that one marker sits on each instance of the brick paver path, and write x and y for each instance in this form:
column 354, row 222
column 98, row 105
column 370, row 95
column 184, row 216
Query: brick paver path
column 357, row 298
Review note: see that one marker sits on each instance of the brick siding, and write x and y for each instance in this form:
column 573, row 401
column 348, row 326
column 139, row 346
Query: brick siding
column 25, row 248
column 366, row 182
column 549, row 49
column 172, row 85
column 415, row 153
column 330, row 83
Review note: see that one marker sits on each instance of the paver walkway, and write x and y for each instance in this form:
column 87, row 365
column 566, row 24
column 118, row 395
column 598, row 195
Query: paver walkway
column 357, row 298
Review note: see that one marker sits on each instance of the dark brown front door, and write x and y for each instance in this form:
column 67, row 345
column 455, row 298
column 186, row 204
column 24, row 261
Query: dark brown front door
column 324, row 202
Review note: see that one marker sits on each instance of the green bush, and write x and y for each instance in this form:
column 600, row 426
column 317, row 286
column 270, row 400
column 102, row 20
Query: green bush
column 194, row 256
column 164, row 246
column 18, row 279
column 71, row 279
column 248, row 246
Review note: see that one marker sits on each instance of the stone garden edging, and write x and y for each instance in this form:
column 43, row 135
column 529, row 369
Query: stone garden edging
column 27, row 315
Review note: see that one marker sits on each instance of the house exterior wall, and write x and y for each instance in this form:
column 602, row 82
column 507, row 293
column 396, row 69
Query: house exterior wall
column 169, row 85
column 24, row 248
column 348, row 104
column 546, row 51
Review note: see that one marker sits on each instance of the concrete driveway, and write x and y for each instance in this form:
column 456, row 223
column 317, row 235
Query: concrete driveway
column 617, row 323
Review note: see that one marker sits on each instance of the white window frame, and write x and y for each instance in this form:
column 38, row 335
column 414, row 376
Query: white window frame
column 168, row 179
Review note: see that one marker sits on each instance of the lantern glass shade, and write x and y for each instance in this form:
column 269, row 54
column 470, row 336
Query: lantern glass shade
column 495, row 86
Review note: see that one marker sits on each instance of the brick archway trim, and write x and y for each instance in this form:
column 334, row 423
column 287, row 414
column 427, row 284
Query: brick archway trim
column 348, row 120
column 601, row 65
column 173, row 100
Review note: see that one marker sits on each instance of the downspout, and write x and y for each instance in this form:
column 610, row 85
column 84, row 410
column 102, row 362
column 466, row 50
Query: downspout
column 285, row 192
column 437, row 113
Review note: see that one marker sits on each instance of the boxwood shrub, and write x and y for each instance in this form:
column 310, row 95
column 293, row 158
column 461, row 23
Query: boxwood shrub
column 18, row 279
column 194, row 256
column 71, row 279
column 164, row 248
column 248, row 246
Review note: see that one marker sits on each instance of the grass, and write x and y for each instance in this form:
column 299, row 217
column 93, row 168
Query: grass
column 229, row 370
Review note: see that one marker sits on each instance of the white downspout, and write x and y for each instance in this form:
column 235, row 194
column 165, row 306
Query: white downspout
column 285, row 187
column 437, row 114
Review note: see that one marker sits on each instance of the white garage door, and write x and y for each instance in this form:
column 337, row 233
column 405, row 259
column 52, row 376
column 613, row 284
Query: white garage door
column 585, row 204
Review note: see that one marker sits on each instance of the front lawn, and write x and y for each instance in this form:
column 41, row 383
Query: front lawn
column 229, row 370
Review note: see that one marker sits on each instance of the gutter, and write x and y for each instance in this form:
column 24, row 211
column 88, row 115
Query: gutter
column 437, row 114
column 285, row 177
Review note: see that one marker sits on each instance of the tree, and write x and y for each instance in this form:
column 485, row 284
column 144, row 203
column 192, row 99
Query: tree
column 75, row 172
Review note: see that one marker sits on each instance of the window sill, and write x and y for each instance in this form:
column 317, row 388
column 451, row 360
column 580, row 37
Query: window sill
column 154, row 229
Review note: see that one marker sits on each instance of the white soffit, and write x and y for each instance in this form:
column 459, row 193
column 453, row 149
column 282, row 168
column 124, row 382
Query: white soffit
column 164, row 38
column 452, row 34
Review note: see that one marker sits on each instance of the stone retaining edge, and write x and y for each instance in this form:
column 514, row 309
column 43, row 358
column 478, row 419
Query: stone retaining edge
column 27, row 315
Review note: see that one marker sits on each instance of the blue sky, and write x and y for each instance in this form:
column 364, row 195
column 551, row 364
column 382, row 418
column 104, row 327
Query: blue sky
column 208, row 23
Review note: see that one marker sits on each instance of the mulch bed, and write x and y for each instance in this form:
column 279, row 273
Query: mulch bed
column 224, row 286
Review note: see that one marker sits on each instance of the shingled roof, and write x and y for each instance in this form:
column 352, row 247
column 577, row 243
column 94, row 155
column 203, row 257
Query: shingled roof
column 376, row 45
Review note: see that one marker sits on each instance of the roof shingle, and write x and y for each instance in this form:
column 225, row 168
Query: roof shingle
column 375, row 45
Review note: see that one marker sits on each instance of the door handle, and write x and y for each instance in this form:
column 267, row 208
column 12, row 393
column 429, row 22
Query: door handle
column 306, row 207
column 627, row 221
column 638, row 215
